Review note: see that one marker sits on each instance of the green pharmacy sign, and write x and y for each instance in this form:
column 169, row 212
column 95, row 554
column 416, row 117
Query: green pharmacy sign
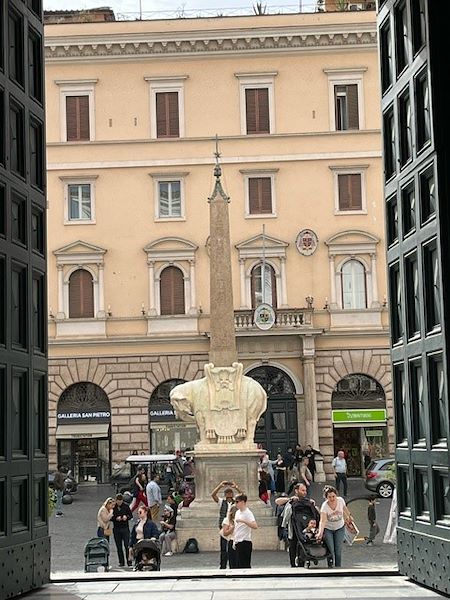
column 360, row 415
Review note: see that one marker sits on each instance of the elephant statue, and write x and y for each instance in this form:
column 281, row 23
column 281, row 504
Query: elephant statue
column 225, row 405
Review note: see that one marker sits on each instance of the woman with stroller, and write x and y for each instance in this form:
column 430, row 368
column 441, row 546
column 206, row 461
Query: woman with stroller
column 334, row 514
column 144, row 529
column 104, row 518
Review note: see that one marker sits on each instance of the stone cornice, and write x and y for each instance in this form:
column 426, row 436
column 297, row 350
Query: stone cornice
column 107, row 47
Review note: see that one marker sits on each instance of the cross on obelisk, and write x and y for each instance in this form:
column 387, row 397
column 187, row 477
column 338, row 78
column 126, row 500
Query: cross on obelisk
column 222, row 352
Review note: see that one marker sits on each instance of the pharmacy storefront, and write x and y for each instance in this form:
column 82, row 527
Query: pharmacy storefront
column 359, row 421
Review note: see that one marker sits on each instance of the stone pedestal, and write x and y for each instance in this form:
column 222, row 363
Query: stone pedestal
column 201, row 518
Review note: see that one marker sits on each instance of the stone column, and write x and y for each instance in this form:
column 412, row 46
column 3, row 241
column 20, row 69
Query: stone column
column 222, row 352
column 242, row 283
column 333, row 298
column 373, row 269
column 101, row 292
column 151, row 288
column 193, row 298
column 61, row 313
column 284, row 302
column 311, row 415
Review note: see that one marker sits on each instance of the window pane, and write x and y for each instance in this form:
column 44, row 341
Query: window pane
column 417, row 402
column 431, row 287
column 427, row 194
column 437, row 398
column 353, row 285
column 412, row 295
column 74, row 212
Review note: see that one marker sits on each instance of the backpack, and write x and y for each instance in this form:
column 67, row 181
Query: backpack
column 191, row 546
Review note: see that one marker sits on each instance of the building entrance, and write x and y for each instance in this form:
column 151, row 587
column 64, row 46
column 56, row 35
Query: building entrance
column 277, row 428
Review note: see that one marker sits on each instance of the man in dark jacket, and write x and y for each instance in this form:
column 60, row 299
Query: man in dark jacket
column 121, row 516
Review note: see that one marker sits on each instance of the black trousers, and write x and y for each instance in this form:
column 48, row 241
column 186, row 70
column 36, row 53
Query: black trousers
column 122, row 539
column 293, row 544
column 243, row 554
column 341, row 478
column 232, row 558
column 223, row 552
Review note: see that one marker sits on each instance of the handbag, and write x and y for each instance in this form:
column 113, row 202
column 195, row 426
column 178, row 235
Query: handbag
column 107, row 532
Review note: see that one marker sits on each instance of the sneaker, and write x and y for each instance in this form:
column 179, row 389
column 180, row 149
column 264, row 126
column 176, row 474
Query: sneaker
column 59, row 514
column 168, row 554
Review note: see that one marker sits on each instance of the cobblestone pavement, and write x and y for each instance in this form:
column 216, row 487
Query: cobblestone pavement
column 70, row 533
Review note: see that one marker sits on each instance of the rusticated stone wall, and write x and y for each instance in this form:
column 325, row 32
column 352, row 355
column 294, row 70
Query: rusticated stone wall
column 331, row 367
column 128, row 382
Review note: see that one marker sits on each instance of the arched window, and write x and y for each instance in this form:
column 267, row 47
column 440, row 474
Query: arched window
column 81, row 295
column 353, row 276
column 270, row 286
column 172, row 291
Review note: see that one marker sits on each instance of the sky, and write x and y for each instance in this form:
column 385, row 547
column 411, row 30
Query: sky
column 130, row 6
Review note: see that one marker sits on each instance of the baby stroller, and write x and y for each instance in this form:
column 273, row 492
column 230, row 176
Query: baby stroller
column 308, row 550
column 96, row 554
column 147, row 555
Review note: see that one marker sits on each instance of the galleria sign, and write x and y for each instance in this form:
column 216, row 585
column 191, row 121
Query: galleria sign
column 102, row 416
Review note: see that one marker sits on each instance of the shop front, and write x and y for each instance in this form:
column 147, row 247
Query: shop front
column 359, row 421
column 83, row 432
column 167, row 433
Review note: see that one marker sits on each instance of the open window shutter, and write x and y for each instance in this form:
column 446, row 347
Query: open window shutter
column 172, row 292
column 167, row 118
column 77, row 118
column 352, row 106
column 274, row 287
column 253, row 286
column 81, row 295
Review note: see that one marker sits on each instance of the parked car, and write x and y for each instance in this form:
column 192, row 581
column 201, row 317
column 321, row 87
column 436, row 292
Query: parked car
column 380, row 478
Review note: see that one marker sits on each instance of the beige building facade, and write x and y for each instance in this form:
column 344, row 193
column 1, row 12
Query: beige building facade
column 133, row 110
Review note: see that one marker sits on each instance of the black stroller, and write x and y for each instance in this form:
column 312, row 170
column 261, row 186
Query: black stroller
column 96, row 554
column 308, row 550
column 147, row 555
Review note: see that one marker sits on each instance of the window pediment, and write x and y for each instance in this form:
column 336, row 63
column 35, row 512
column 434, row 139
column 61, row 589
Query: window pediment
column 170, row 248
column 253, row 247
column 79, row 252
column 352, row 241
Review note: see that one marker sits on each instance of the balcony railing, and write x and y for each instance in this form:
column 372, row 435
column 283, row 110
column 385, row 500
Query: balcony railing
column 285, row 318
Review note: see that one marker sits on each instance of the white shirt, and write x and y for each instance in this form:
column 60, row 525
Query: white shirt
column 335, row 518
column 243, row 532
column 339, row 465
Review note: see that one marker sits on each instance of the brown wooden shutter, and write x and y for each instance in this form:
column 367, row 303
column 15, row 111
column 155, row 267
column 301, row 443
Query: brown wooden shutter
column 350, row 197
column 172, row 292
column 81, row 295
column 167, row 115
column 77, row 118
column 260, row 195
column 352, row 106
column 257, row 110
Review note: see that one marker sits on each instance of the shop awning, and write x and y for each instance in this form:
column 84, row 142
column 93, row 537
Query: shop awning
column 84, row 430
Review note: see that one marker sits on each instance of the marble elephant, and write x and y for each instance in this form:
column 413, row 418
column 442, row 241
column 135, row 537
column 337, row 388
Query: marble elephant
column 232, row 422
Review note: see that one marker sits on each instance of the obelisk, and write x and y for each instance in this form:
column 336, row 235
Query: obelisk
column 222, row 352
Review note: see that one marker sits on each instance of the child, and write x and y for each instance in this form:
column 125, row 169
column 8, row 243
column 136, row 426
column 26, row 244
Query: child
column 372, row 518
column 310, row 530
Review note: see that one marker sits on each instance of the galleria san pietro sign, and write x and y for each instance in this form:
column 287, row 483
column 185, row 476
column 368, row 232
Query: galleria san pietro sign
column 102, row 416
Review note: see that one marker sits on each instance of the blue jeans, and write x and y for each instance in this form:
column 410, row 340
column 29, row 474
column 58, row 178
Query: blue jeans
column 59, row 497
column 334, row 541
column 341, row 478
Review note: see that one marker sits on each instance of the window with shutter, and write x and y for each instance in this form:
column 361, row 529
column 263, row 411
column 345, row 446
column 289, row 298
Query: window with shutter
column 257, row 110
column 350, row 195
column 167, row 115
column 260, row 195
column 270, row 286
column 81, row 295
column 172, row 291
column 346, row 107
column 77, row 118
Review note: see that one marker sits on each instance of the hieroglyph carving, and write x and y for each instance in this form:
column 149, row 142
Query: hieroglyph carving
column 224, row 404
